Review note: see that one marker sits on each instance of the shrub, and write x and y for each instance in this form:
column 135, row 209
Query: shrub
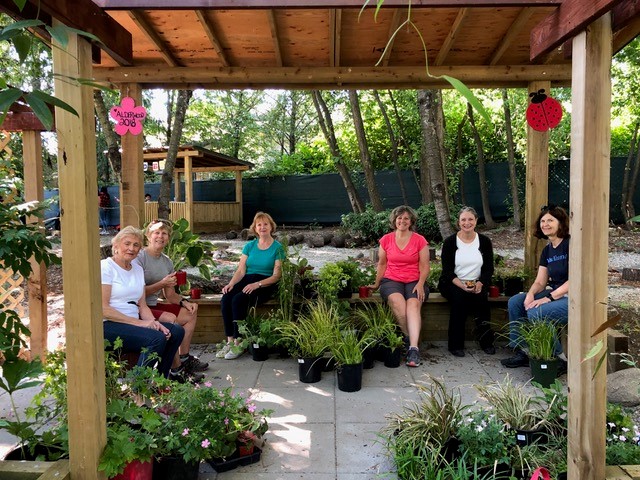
column 370, row 225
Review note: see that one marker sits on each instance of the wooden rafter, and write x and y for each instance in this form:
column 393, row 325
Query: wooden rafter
column 513, row 31
column 335, row 23
column 572, row 17
column 324, row 77
column 274, row 36
column 625, row 23
column 138, row 17
column 210, row 30
column 451, row 37
column 114, row 39
column 398, row 17
column 226, row 4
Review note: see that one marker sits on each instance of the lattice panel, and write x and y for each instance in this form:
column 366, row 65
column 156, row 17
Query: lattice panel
column 12, row 291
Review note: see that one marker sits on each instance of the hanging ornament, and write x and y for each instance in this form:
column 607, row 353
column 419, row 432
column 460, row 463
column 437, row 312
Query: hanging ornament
column 129, row 118
column 543, row 112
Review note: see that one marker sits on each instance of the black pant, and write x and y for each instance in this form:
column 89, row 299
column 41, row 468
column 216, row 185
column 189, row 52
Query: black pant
column 235, row 304
column 461, row 305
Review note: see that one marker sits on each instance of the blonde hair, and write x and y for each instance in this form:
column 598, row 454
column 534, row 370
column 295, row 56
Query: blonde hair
column 127, row 231
column 159, row 224
column 262, row 216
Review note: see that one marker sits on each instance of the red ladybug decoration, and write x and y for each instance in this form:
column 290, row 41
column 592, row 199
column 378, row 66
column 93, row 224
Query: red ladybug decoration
column 543, row 112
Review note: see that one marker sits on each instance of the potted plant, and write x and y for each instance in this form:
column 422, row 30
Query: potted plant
column 333, row 282
column 540, row 336
column 309, row 337
column 347, row 349
column 377, row 323
column 516, row 409
column 392, row 343
column 259, row 334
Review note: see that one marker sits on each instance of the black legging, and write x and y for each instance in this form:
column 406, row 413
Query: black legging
column 235, row 304
column 462, row 304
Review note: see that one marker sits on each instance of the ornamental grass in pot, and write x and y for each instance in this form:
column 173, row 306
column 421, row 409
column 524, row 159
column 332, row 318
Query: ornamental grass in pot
column 347, row 350
column 541, row 336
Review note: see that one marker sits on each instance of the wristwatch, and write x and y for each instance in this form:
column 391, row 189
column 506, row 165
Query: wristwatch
column 259, row 284
column 550, row 297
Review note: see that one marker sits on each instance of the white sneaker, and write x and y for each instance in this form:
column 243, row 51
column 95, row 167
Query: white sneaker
column 223, row 351
column 234, row 352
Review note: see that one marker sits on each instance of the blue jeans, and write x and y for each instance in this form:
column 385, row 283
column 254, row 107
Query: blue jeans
column 556, row 311
column 147, row 342
column 104, row 218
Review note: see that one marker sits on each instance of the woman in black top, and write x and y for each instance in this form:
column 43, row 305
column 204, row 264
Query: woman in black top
column 467, row 268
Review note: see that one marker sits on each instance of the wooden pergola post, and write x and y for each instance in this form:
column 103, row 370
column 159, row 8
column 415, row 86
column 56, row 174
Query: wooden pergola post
column 37, row 282
column 176, row 186
column 188, row 189
column 81, row 263
column 132, row 179
column 588, row 259
column 536, row 186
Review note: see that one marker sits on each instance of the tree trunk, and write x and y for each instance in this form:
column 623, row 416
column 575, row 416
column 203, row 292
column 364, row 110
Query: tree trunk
column 484, row 194
column 171, row 101
column 326, row 124
column 511, row 160
column 293, row 120
column 423, row 188
column 182, row 103
column 626, row 203
column 463, row 197
column 365, row 158
column 428, row 105
column 113, row 145
column 394, row 146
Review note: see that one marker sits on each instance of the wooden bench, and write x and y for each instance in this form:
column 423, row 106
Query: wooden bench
column 435, row 316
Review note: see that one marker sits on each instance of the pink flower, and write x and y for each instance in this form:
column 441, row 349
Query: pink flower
column 185, row 432
column 208, row 384
column 226, row 421
column 205, row 443
column 251, row 408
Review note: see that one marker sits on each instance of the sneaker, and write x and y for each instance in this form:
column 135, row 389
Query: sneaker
column 562, row 367
column 519, row 359
column 182, row 376
column 223, row 351
column 413, row 357
column 193, row 364
column 234, row 352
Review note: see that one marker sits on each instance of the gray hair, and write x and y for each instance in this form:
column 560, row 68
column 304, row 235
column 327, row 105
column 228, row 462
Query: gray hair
column 129, row 230
column 471, row 210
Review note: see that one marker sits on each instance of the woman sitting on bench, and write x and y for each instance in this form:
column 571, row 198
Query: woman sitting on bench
column 125, row 313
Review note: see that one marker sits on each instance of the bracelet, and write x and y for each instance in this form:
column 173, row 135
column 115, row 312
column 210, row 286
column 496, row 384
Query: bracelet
column 259, row 284
column 550, row 297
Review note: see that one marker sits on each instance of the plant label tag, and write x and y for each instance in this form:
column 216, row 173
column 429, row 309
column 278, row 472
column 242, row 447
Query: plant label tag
column 255, row 345
column 521, row 437
column 543, row 366
column 301, row 360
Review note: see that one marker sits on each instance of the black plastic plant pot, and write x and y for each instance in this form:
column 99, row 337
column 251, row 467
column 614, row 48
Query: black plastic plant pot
column 368, row 358
column 258, row 353
column 394, row 358
column 350, row 378
column 544, row 371
column 310, row 369
column 175, row 468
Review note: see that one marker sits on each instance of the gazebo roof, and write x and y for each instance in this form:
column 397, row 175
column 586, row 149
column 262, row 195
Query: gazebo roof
column 202, row 160
column 314, row 44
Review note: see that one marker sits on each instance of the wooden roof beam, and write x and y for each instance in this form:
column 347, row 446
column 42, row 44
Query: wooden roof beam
column 320, row 77
column 625, row 23
column 146, row 28
column 572, row 17
column 274, row 36
column 398, row 17
column 335, row 33
column 269, row 4
column 83, row 15
column 514, row 30
column 210, row 30
column 451, row 37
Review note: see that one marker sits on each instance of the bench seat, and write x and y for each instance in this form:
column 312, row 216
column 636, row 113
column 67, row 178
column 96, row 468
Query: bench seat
column 435, row 316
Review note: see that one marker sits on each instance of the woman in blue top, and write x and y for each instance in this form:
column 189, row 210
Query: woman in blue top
column 254, row 281
column 547, row 298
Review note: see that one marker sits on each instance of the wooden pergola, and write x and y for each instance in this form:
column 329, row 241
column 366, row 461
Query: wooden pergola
column 329, row 44
column 204, row 217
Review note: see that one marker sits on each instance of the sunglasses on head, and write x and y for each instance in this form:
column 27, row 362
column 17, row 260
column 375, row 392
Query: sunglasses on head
column 551, row 206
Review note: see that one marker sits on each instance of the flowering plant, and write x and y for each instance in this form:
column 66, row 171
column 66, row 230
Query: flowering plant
column 485, row 439
column 202, row 422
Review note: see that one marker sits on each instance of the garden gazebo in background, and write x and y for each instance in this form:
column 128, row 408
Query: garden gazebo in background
column 330, row 44
column 203, row 217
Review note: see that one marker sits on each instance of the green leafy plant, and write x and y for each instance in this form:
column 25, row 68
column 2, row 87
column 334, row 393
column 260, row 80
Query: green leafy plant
column 310, row 335
column 485, row 439
column 347, row 346
column 369, row 225
column 331, row 280
column 540, row 336
column 259, row 330
column 186, row 248
column 514, row 407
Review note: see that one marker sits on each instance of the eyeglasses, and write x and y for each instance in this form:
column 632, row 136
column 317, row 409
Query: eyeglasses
column 551, row 206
